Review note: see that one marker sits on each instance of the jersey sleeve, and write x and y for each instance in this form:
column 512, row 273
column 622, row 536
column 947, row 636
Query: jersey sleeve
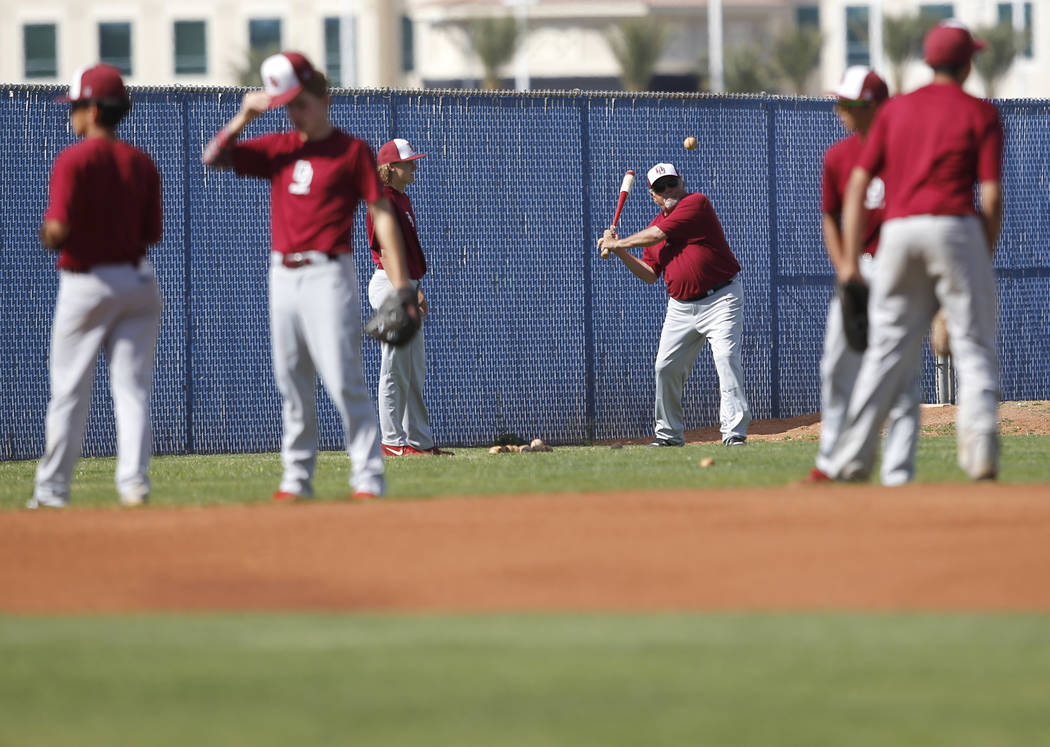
column 990, row 150
column 680, row 224
column 254, row 157
column 831, row 200
column 874, row 152
column 152, row 224
column 363, row 175
column 61, row 189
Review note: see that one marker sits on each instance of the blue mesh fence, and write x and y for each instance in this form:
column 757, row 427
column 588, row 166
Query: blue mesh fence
column 530, row 331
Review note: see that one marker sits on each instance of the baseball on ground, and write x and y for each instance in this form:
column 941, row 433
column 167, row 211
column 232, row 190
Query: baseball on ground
column 689, row 143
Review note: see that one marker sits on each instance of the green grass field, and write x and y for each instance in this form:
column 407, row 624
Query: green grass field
column 741, row 680
column 238, row 478
column 559, row 680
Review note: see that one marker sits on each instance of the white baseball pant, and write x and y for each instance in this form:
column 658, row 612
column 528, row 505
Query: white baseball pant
column 315, row 328
column 403, row 418
column 717, row 319
column 839, row 367
column 115, row 308
column 925, row 262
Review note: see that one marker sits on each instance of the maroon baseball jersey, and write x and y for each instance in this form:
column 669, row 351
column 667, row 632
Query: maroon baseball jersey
column 406, row 218
column 930, row 147
column 839, row 161
column 695, row 257
column 108, row 193
column 315, row 186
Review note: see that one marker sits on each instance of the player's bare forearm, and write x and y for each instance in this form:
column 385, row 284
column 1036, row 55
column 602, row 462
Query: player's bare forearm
column 636, row 266
column 391, row 244
column 216, row 152
column 648, row 237
column 991, row 212
column 53, row 234
column 853, row 226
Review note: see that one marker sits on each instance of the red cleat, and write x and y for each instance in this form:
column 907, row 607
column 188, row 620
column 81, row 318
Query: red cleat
column 396, row 451
column 362, row 496
column 817, row 476
column 282, row 496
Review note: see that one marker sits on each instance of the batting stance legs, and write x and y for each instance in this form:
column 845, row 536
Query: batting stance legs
column 115, row 308
column 925, row 260
column 718, row 319
column 315, row 328
column 839, row 368
column 403, row 418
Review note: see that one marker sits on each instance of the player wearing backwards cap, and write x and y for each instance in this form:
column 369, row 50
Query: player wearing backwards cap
column 403, row 420
column 686, row 245
column 104, row 211
column 860, row 95
column 317, row 175
column 936, row 250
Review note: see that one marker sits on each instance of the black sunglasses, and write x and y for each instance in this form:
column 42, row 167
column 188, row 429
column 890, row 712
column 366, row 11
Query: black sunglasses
column 664, row 183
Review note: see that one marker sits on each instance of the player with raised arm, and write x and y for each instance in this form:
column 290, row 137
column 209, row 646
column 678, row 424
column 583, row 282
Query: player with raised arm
column 318, row 174
column 685, row 243
column 930, row 146
column 104, row 212
column 859, row 96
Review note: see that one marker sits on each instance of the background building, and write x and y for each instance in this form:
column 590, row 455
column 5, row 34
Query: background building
column 430, row 43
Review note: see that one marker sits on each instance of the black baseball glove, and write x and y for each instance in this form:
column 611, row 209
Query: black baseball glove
column 853, row 298
column 397, row 320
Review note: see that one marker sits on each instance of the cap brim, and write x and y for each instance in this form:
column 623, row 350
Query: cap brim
column 283, row 98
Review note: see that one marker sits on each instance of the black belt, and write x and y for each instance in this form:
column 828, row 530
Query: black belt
column 295, row 260
column 709, row 291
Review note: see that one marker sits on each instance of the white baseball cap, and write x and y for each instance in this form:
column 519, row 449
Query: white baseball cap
column 397, row 150
column 283, row 76
column 860, row 83
column 661, row 170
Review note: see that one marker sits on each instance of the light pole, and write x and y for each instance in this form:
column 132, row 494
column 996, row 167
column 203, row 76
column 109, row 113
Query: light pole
column 714, row 46
column 875, row 35
column 521, row 59
column 347, row 47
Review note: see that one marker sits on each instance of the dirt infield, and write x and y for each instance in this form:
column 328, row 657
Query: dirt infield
column 959, row 547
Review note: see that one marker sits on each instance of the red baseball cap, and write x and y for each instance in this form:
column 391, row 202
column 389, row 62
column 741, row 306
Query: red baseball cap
column 950, row 43
column 861, row 84
column 283, row 76
column 96, row 83
column 397, row 150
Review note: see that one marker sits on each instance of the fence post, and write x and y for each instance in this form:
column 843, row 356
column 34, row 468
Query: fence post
column 187, row 270
column 590, row 407
column 774, row 261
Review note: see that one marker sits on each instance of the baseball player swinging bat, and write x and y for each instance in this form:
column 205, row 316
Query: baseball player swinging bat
column 625, row 189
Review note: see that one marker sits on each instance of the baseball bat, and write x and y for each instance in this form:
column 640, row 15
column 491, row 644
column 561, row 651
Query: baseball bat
column 625, row 189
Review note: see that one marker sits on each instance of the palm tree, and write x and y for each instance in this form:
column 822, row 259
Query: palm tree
column 494, row 41
column 248, row 74
column 902, row 42
column 796, row 53
column 747, row 71
column 637, row 46
column 994, row 62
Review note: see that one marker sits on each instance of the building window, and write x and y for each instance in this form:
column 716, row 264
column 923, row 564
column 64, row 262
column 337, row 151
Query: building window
column 857, row 49
column 1006, row 15
column 41, row 56
column 808, row 15
column 937, row 12
column 408, row 45
column 264, row 36
column 191, row 56
column 333, row 54
column 114, row 45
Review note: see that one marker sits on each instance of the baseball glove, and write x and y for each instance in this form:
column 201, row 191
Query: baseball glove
column 853, row 298
column 397, row 320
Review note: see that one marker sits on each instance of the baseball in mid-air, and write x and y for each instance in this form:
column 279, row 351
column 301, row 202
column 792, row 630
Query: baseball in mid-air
column 690, row 143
